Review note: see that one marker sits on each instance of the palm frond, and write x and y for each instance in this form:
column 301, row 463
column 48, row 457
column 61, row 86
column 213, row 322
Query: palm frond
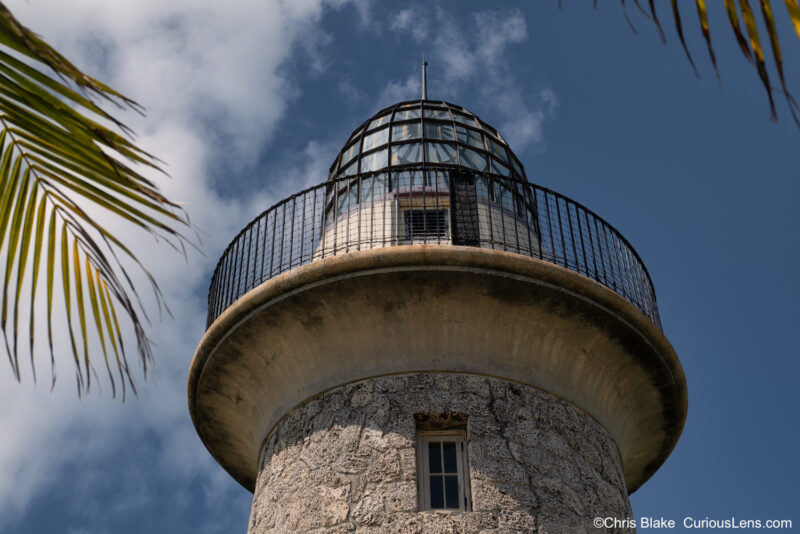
column 676, row 15
column 57, row 158
column 702, row 14
column 750, row 46
column 794, row 13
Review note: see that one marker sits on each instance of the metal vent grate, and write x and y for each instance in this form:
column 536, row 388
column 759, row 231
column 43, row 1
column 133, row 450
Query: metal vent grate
column 425, row 223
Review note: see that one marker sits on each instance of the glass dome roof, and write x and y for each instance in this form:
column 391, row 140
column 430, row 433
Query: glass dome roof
column 426, row 131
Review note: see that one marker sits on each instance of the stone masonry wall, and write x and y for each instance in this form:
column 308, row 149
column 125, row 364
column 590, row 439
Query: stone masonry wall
column 345, row 461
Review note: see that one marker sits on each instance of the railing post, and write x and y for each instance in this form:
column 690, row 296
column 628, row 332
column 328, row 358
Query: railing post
column 303, row 230
column 272, row 248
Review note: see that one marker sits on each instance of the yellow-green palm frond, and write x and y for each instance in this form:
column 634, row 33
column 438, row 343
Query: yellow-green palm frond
column 751, row 46
column 58, row 163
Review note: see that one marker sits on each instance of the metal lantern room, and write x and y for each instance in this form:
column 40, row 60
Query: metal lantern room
column 420, row 132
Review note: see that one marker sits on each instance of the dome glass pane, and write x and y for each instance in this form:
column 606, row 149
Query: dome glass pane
column 376, row 139
column 441, row 153
column 453, row 137
column 497, row 150
column 470, row 137
column 463, row 119
column 435, row 113
column 406, row 153
column 407, row 114
column 374, row 161
column 473, row 159
column 380, row 121
column 499, row 168
column 404, row 132
column 349, row 153
column 439, row 130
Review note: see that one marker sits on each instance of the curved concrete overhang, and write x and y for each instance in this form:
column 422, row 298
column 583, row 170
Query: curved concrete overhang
column 435, row 308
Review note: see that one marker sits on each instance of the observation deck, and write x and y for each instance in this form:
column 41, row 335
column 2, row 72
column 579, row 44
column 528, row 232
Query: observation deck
column 414, row 206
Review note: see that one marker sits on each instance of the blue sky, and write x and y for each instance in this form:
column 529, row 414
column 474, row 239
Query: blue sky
column 249, row 102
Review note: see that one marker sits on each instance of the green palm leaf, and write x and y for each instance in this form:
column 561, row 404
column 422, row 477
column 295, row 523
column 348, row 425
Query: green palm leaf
column 56, row 159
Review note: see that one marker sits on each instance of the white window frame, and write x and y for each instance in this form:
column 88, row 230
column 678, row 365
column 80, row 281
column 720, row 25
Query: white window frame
column 423, row 468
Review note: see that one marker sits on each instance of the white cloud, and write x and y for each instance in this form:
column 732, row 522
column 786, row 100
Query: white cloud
column 212, row 78
column 496, row 30
column 205, row 63
column 214, row 81
column 452, row 50
column 476, row 55
column 411, row 21
column 351, row 91
column 527, row 126
column 396, row 91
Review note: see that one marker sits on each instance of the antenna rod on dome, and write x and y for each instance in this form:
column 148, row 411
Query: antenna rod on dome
column 424, row 79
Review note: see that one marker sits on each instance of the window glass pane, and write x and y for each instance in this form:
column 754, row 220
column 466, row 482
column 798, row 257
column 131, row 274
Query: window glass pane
column 370, row 188
column 352, row 195
column 349, row 171
column 435, row 113
column 499, row 168
column 377, row 187
column 440, row 153
column 438, row 130
column 366, row 189
column 408, row 153
column 383, row 119
column 497, row 149
column 488, row 128
column 506, row 198
column 470, row 158
column 417, row 179
column 470, row 137
column 437, row 180
column 449, row 453
column 407, row 114
column 482, row 187
column 376, row 139
column 434, row 457
column 519, row 200
column 463, row 119
column 401, row 181
column 404, row 132
column 516, row 166
column 374, row 161
column 437, row 492
column 443, row 480
column 349, row 154
column 451, row 491
column 347, row 199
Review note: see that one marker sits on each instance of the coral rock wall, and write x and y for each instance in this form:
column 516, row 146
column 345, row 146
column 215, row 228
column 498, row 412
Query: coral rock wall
column 345, row 461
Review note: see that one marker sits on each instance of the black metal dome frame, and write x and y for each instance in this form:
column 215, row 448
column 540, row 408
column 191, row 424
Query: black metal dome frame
column 419, row 132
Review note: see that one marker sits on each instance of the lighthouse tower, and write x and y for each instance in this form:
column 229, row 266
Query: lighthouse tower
column 428, row 342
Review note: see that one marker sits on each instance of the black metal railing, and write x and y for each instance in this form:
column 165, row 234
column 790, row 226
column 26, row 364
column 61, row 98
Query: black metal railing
column 434, row 206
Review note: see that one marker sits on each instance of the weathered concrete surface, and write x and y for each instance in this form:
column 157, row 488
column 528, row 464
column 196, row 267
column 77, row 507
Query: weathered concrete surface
column 346, row 461
column 435, row 308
